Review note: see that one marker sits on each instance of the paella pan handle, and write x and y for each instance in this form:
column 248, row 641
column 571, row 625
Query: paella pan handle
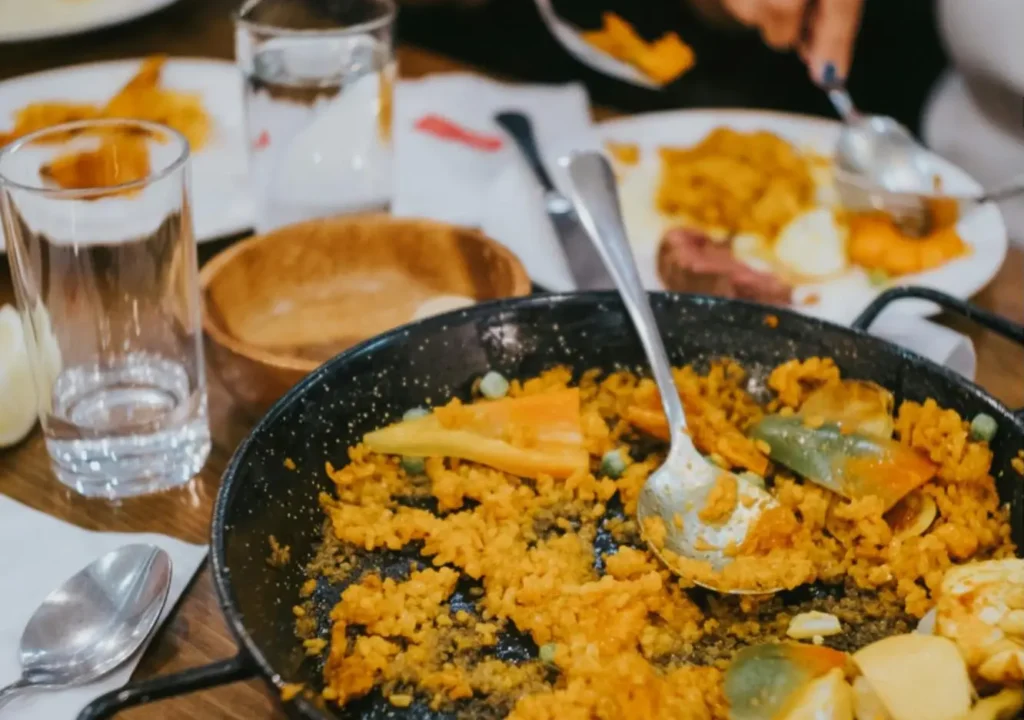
column 141, row 693
column 989, row 320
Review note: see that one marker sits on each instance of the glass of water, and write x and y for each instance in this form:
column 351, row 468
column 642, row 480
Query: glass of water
column 319, row 79
column 97, row 220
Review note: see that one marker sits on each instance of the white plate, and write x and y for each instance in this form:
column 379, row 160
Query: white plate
column 221, row 204
column 570, row 39
column 841, row 299
column 35, row 19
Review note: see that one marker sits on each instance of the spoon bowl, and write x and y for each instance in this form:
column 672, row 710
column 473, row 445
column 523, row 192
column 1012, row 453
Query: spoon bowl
column 95, row 621
column 677, row 492
column 884, row 153
column 917, row 213
column 879, row 149
column 881, row 166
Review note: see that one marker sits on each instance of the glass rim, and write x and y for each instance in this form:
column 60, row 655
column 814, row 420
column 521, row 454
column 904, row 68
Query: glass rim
column 164, row 172
column 387, row 18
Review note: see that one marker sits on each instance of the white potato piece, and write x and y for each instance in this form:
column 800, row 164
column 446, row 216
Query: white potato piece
column 813, row 245
column 827, row 698
column 866, row 703
column 1002, row 706
column 926, row 625
column 917, row 677
column 806, row 625
column 753, row 251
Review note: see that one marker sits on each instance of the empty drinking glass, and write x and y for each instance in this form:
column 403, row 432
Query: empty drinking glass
column 319, row 78
column 97, row 219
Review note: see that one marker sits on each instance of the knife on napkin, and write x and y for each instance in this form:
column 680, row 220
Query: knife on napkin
column 585, row 264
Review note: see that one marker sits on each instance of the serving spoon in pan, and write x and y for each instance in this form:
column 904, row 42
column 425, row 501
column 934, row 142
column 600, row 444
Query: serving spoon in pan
column 677, row 491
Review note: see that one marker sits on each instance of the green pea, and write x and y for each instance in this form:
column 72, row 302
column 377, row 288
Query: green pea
column 493, row 386
column 547, row 653
column 878, row 277
column 613, row 464
column 753, row 478
column 983, row 427
column 415, row 413
column 413, row 465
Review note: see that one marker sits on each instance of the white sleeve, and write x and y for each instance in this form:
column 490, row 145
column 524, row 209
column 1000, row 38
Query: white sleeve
column 983, row 37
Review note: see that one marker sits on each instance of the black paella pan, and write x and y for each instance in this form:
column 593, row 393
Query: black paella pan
column 374, row 383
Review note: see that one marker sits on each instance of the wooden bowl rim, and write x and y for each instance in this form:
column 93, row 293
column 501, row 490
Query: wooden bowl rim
column 521, row 285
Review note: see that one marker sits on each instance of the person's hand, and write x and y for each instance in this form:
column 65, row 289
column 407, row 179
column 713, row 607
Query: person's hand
column 822, row 30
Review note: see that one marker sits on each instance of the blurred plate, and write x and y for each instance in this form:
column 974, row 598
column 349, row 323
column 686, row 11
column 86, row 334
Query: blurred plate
column 220, row 200
column 839, row 299
column 570, row 39
column 36, row 19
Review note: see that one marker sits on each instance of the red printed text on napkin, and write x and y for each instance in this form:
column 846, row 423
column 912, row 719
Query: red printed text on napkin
column 261, row 141
column 442, row 127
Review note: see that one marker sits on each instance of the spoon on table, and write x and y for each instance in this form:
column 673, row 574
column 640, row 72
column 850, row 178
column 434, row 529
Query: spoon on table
column 95, row 621
column 680, row 487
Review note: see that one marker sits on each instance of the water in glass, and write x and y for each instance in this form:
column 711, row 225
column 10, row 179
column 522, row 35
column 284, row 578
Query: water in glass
column 318, row 113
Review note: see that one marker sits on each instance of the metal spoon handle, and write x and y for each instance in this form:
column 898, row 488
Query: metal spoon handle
column 1011, row 189
column 843, row 104
column 595, row 198
column 8, row 693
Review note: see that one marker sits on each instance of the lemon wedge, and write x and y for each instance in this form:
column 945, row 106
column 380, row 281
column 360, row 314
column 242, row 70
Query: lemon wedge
column 17, row 391
column 44, row 350
column 441, row 304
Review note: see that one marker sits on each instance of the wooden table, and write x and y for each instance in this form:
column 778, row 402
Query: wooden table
column 196, row 633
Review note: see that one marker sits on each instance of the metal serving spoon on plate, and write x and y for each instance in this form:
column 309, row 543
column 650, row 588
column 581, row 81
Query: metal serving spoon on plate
column 95, row 621
column 919, row 213
column 680, row 487
column 880, row 166
column 878, row 149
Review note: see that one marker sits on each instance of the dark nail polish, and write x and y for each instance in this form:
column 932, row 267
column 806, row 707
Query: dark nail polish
column 829, row 76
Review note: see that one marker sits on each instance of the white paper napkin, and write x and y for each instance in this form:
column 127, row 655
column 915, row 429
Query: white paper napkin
column 37, row 554
column 453, row 163
column 931, row 340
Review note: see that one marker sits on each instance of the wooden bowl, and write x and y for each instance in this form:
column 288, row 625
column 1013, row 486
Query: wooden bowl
column 276, row 306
